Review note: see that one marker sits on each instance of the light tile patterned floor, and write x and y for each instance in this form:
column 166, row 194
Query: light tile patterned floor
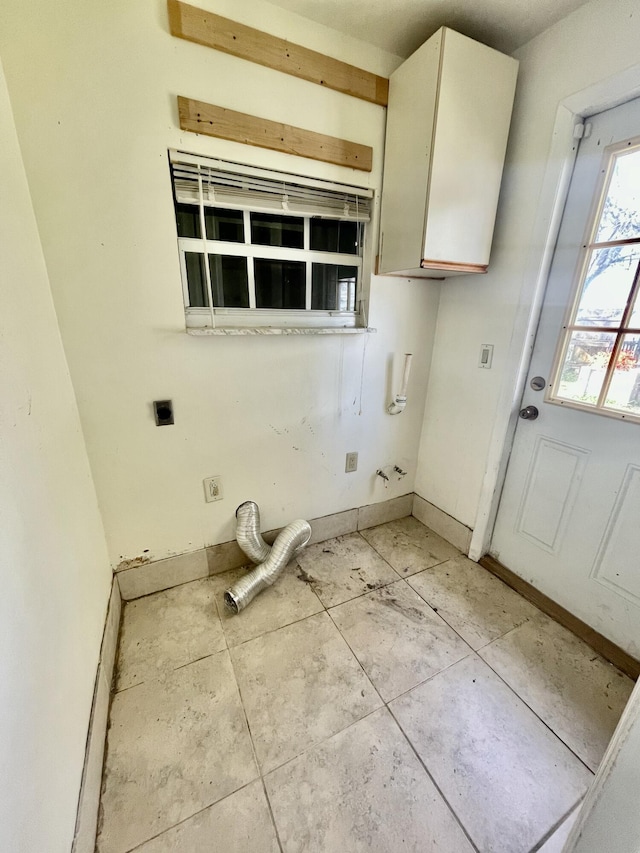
column 386, row 695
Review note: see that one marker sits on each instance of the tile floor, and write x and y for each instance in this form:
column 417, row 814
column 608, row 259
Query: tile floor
column 386, row 695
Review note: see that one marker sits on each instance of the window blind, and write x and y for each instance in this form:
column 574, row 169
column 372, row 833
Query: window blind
column 236, row 187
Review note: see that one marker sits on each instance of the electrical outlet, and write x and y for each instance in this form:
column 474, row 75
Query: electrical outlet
column 163, row 411
column 351, row 463
column 213, row 489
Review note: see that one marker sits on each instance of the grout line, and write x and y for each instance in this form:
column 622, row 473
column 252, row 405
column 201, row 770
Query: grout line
column 556, row 826
column 469, row 654
column 382, row 700
column 361, row 594
column 537, row 715
column 355, row 657
column 244, row 712
column 453, row 628
column 115, row 691
column 273, row 817
column 433, row 781
column 320, row 743
column 164, row 674
column 513, row 690
column 419, row 571
column 221, row 621
column 197, row 660
column 186, row 819
column 328, row 737
column 438, row 612
column 515, row 627
column 502, row 636
column 470, row 649
column 325, row 608
column 368, row 593
column 280, row 627
column 373, row 548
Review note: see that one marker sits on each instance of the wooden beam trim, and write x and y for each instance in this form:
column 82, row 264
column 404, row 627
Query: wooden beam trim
column 210, row 120
column 202, row 27
column 452, row 266
column 609, row 650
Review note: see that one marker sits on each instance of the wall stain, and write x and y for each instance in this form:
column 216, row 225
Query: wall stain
column 133, row 563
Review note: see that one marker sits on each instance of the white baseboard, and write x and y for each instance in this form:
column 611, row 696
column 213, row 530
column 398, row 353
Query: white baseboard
column 444, row 525
column 163, row 574
column 381, row 513
column 84, row 840
column 173, row 571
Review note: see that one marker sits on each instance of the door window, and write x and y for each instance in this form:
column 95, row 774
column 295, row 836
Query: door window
column 598, row 362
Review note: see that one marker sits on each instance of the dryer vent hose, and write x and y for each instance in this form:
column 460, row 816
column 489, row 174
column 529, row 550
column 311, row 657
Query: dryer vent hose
column 272, row 560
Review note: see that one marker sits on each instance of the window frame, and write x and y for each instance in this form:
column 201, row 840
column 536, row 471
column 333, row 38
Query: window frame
column 213, row 317
column 569, row 324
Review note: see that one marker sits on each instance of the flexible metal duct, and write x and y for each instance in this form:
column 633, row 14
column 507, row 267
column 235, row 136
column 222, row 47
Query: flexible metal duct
column 248, row 532
column 289, row 542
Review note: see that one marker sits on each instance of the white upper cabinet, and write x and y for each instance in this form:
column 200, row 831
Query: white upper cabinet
column 447, row 125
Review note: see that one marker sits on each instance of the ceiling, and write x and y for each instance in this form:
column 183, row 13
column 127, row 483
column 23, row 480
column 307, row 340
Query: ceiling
column 401, row 26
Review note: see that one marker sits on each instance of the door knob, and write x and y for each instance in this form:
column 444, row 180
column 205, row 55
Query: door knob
column 529, row 413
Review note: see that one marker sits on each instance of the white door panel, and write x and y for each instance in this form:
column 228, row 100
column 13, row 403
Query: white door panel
column 569, row 516
column 549, row 493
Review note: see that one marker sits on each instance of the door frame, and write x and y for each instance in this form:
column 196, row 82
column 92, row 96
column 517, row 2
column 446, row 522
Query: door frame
column 608, row 818
column 596, row 98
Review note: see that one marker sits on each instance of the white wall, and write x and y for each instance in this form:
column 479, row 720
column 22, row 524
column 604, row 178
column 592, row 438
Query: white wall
column 609, row 818
column 53, row 560
column 467, row 409
column 93, row 86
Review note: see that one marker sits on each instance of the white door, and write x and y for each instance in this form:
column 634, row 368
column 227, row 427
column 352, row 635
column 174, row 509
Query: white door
column 569, row 516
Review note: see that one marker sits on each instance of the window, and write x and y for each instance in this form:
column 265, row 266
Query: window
column 598, row 363
column 259, row 248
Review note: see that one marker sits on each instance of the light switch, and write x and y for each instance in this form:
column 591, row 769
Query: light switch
column 486, row 356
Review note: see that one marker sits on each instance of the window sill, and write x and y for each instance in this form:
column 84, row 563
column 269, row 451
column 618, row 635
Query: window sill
column 271, row 330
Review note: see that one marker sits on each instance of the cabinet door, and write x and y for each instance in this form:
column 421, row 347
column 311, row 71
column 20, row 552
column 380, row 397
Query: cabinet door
column 410, row 119
column 475, row 98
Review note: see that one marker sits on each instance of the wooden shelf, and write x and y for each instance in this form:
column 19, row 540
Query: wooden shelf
column 202, row 27
column 222, row 123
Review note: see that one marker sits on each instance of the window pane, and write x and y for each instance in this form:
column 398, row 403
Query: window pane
column 621, row 212
column 333, row 288
column 269, row 229
column 188, row 220
column 634, row 319
column 229, row 282
column 196, row 280
column 225, row 225
column 279, row 284
column 607, row 285
column 332, row 235
column 624, row 390
column 585, row 366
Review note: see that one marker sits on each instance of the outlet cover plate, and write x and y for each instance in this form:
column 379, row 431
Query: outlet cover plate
column 486, row 356
column 351, row 463
column 213, row 489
